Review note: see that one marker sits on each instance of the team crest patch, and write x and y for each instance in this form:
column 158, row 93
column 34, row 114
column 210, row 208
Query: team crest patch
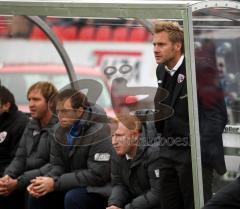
column 157, row 173
column 3, row 136
column 102, row 157
column 36, row 132
column 180, row 78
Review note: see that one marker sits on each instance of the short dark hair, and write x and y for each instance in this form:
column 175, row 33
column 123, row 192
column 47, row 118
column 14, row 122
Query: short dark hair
column 6, row 96
column 77, row 98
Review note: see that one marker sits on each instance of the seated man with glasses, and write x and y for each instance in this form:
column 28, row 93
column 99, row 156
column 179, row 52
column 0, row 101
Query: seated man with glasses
column 80, row 157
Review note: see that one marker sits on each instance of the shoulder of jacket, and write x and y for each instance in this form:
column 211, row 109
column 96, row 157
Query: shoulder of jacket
column 159, row 67
column 152, row 153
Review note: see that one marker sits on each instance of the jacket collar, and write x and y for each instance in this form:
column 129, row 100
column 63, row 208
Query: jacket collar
column 35, row 124
column 139, row 156
column 92, row 114
column 176, row 67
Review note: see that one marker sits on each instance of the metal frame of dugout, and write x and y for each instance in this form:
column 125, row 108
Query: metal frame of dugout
column 166, row 10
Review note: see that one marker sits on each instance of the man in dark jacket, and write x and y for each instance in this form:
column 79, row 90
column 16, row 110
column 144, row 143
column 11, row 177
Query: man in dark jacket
column 33, row 153
column 176, row 167
column 135, row 170
column 226, row 198
column 12, row 125
column 81, row 157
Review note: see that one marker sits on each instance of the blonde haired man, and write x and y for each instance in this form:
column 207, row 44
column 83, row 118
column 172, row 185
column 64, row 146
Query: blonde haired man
column 33, row 153
column 135, row 169
column 176, row 169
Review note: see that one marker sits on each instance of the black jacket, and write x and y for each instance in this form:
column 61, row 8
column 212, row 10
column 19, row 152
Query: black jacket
column 136, row 184
column 87, row 162
column 12, row 125
column 33, row 153
column 177, row 123
column 212, row 115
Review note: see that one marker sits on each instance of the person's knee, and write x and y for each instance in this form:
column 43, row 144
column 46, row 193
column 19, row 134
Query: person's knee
column 76, row 198
column 70, row 199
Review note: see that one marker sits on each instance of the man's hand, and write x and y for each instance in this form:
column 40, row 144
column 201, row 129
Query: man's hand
column 7, row 185
column 113, row 207
column 3, row 188
column 12, row 185
column 31, row 191
column 41, row 186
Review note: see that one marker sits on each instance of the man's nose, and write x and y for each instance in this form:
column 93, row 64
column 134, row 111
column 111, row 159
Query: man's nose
column 156, row 49
column 30, row 103
column 114, row 140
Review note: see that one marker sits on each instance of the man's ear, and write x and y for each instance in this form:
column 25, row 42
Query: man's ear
column 178, row 46
column 80, row 111
column 6, row 106
column 134, row 137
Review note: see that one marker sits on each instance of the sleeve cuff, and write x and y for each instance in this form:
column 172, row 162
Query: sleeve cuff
column 56, row 183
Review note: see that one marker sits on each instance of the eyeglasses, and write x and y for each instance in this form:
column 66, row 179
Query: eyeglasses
column 65, row 111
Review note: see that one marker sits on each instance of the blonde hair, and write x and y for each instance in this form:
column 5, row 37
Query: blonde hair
column 48, row 90
column 130, row 122
column 173, row 29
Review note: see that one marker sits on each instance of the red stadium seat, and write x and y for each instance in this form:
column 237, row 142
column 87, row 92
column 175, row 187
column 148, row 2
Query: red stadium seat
column 120, row 34
column 58, row 30
column 70, row 33
column 103, row 33
column 65, row 32
column 138, row 35
column 86, row 33
column 37, row 34
column 4, row 27
column 4, row 31
column 149, row 36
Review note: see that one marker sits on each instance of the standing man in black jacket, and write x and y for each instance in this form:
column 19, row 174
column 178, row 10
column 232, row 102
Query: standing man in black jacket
column 12, row 125
column 135, row 170
column 33, row 153
column 81, row 157
column 176, row 169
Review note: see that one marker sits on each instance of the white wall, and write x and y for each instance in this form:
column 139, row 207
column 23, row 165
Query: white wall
column 83, row 53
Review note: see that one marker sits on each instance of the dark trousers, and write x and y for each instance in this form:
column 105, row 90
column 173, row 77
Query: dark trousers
column 176, row 184
column 80, row 199
column 176, row 179
column 226, row 198
column 14, row 200
column 48, row 201
column 207, row 174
